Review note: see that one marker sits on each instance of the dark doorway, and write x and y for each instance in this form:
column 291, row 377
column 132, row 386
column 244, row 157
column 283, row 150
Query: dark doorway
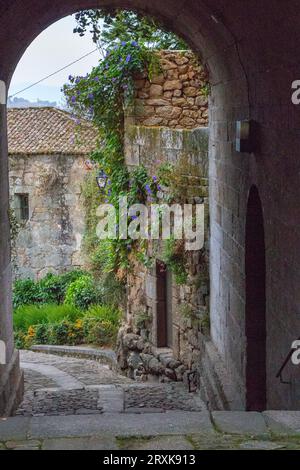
column 255, row 266
column 164, row 306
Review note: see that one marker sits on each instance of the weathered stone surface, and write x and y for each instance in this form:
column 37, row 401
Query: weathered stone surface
column 237, row 422
column 159, row 443
column 153, row 121
column 51, row 240
column 88, row 443
column 158, row 102
column 134, row 360
column 169, row 112
column 283, row 422
column 155, row 91
column 172, row 85
column 190, row 91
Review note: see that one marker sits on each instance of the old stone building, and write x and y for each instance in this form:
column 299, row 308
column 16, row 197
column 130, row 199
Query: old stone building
column 47, row 161
column 168, row 125
column 250, row 50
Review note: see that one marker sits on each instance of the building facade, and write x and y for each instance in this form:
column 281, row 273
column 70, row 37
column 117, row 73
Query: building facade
column 47, row 167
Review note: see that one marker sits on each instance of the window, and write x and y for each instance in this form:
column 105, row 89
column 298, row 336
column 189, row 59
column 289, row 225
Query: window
column 22, row 207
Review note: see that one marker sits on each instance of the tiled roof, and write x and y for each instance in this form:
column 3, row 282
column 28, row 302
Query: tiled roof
column 46, row 131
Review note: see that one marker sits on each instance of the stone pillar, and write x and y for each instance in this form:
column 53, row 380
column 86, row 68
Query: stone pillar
column 11, row 380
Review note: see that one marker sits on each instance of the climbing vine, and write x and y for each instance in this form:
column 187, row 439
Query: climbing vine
column 102, row 96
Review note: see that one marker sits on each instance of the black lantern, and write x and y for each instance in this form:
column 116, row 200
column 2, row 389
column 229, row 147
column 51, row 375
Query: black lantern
column 101, row 180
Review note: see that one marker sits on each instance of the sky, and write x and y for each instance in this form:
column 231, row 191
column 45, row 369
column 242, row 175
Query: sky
column 54, row 48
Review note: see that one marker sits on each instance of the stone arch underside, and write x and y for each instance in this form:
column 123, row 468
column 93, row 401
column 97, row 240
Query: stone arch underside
column 251, row 63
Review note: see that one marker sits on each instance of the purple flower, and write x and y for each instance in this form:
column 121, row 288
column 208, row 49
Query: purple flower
column 114, row 79
column 128, row 58
column 154, row 178
column 134, row 44
column 71, row 78
column 159, row 187
column 78, row 79
column 123, row 43
column 77, row 122
column 134, row 217
column 78, row 93
column 73, row 99
column 148, row 189
column 96, row 79
column 91, row 96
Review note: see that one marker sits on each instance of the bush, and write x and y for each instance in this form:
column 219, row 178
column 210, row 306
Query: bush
column 49, row 290
column 104, row 313
column 31, row 315
column 101, row 325
column 53, row 288
column 82, row 293
column 25, row 292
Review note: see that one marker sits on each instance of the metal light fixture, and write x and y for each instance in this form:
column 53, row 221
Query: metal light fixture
column 244, row 130
column 101, row 179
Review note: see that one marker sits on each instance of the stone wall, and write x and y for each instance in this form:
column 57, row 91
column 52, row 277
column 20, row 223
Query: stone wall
column 50, row 241
column 177, row 97
column 138, row 353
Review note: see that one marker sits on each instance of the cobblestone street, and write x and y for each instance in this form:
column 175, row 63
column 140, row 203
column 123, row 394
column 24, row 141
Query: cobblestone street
column 78, row 404
column 56, row 385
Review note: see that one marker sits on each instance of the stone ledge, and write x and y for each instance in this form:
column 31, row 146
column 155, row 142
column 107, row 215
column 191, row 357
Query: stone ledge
column 11, row 386
column 106, row 356
column 239, row 422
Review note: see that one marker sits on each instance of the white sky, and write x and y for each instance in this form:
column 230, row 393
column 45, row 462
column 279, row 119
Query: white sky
column 54, row 48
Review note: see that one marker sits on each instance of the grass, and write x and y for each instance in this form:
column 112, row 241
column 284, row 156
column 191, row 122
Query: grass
column 31, row 315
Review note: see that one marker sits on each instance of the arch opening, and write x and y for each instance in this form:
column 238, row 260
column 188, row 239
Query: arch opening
column 255, row 270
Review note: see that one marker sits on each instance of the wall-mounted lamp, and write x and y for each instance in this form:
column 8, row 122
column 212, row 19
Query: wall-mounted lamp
column 101, row 179
column 244, row 136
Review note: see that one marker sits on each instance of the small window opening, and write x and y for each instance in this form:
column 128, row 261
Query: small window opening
column 22, row 207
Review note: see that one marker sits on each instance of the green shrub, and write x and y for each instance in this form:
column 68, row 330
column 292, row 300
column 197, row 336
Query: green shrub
column 25, row 292
column 66, row 333
column 19, row 337
column 101, row 333
column 31, row 315
column 41, row 334
column 82, row 293
column 49, row 290
column 101, row 325
column 104, row 313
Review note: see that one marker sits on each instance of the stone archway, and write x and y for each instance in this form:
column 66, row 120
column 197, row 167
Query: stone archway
column 241, row 43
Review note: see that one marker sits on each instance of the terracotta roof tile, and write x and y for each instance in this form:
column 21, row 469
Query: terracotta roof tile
column 48, row 131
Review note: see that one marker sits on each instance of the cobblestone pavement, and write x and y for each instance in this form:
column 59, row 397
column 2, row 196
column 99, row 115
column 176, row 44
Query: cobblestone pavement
column 56, row 385
column 78, row 404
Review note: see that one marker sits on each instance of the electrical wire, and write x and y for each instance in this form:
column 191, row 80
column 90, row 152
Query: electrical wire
column 54, row 73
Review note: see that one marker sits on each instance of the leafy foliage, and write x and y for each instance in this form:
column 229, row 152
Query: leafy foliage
column 82, row 293
column 26, row 292
column 175, row 259
column 108, row 26
column 50, row 289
